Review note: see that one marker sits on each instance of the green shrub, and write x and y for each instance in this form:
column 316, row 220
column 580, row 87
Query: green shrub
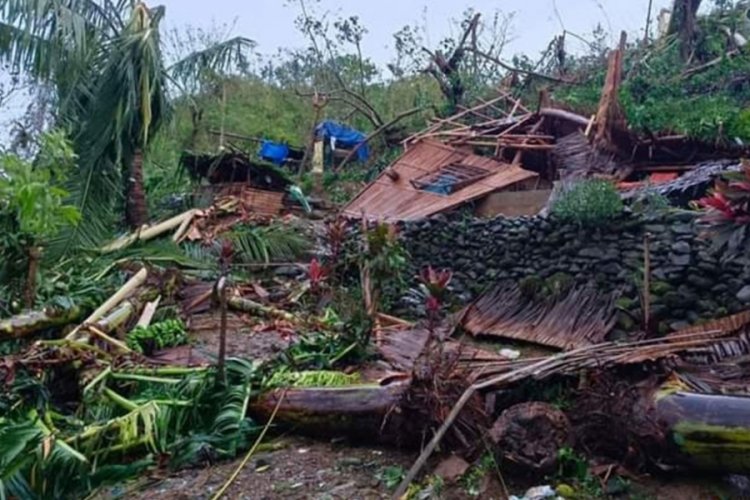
column 589, row 203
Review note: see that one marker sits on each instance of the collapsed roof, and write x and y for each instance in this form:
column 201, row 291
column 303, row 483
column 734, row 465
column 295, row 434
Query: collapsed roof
column 234, row 166
column 430, row 178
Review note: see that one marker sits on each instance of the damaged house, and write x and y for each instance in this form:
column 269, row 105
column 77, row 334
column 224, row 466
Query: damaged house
column 432, row 177
column 261, row 186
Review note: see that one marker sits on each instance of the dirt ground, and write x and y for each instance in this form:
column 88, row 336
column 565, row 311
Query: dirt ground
column 303, row 468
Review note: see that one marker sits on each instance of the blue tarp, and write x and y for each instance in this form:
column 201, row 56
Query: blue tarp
column 345, row 136
column 274, row 152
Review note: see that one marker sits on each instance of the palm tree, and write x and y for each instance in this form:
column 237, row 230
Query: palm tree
column 104, row 59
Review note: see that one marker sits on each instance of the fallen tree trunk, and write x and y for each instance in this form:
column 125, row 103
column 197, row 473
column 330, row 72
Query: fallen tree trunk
column 708, row 432
column 32, row 322
column 246, row 305
column 358, row 411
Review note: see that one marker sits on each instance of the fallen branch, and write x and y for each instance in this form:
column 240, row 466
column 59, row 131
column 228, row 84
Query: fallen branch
column 113, row 301
column 465, row 398
column 565, row 115
column 29, row 323
column 250, row 306
column 519, row 70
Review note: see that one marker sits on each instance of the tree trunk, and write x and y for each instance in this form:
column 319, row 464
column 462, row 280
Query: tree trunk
column 136, row 211
column 30, row 291
column 35, row 321
column 363, row 412
column 682, row 21
column 707, row 431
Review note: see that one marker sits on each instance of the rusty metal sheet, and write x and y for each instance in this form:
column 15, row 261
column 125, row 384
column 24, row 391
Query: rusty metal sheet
column 580, row 318
column 396, row 200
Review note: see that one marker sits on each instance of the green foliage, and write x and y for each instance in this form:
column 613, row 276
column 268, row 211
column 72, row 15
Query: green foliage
column 168, row 333
column 33, row 206
column 574, row 467
column 33, row 192
column 319, row 378
column 266, row 244
column 590, row 203
column 660, row 93
column 472, row 480
column 391, row 476
column 323, row 351
column 127, row 418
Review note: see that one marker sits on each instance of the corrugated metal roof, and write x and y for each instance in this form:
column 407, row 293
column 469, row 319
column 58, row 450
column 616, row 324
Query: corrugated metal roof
column 398, row 199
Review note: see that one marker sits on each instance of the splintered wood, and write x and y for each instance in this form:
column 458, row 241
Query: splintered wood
column 500, row 124
column 580, row 318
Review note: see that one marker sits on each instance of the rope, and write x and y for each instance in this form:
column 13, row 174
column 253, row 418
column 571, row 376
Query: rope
column 237, row 471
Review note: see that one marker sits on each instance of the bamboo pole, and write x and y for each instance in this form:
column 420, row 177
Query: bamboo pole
column 179, row 235
column 113, row 301
column 148, row 232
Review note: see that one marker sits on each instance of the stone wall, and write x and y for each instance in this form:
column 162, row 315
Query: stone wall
column 689, row 281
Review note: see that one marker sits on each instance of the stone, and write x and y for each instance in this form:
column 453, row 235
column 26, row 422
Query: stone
column 682, row 229
column 744, row 294
column 699, row 281
column 681, row 247
column 611, row 268
column 681, row 260
column 452, row 469
column 592, row 253
column 655, row 228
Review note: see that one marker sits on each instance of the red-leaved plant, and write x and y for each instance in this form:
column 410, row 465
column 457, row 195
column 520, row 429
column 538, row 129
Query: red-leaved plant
column 318, row 274
column 435, row 285
column 726, row 210
column 336, row 230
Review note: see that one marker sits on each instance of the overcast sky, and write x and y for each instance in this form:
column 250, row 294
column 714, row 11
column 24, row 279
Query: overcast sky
column 271, row 23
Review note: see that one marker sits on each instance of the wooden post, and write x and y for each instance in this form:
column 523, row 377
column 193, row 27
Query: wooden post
column 318, row 102
column 610, row 115
column 221, row 295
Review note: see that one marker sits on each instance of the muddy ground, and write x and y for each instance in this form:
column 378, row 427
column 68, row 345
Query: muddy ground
column 302, row 468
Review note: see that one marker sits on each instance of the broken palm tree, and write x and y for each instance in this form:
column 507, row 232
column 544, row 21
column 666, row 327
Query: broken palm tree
column 721, row 340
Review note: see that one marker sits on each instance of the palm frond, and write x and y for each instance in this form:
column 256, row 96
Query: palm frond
column 44, row 37
column 118, row 111
column 267, row 244
column 217, row 58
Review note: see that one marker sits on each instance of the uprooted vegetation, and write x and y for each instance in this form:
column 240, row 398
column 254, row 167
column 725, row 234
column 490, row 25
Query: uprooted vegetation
column 304, row 275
